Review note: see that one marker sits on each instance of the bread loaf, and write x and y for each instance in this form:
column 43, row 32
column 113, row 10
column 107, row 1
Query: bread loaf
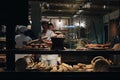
column 116, row 47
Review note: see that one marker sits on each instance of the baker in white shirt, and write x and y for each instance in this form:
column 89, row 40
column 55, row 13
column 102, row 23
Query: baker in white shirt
column 21, row 39
column 52, row 58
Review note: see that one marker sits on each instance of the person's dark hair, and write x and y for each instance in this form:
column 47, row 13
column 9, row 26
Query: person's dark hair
column 101, row 66
column 20, row 65
column 26, row 33
column 44, row 23
column 50, row 24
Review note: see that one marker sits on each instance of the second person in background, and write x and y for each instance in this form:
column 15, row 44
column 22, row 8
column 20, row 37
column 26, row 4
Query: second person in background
column 48, row 32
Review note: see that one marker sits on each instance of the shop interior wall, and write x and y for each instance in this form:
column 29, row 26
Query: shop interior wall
column 113, row 29
column 112, row 19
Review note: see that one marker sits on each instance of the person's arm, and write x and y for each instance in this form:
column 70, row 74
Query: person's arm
column 32, row 41
column 47, row 42
column 42, row 39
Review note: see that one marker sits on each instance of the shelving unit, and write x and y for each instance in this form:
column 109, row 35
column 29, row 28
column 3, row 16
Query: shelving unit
column 64, row 54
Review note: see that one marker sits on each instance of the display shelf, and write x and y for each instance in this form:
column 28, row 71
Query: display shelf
column 59, row 75
column 74, row 55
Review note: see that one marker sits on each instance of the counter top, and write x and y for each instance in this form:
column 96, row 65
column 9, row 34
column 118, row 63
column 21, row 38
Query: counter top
column 70, row 51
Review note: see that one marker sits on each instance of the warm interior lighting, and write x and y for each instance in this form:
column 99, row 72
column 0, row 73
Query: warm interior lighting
column 82, row 24
column 75, row 16
column 104, row 6
column 30, row 22
column 59, row 24
column 77, row 24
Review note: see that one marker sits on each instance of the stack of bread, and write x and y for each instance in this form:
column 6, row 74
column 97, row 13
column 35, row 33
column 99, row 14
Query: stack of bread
column 103, row 46
column 41, row 66
column 32, row 65
column 116, row 47
column 98, row 64
column 59, row 34
column 63, row 67
column 80, row 67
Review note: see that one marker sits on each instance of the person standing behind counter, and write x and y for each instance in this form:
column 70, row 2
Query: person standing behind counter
column 48, row 31
column 30, row 32
column 21, row 39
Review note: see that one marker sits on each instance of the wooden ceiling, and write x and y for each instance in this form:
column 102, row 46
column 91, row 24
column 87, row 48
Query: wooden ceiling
column 69, row 8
